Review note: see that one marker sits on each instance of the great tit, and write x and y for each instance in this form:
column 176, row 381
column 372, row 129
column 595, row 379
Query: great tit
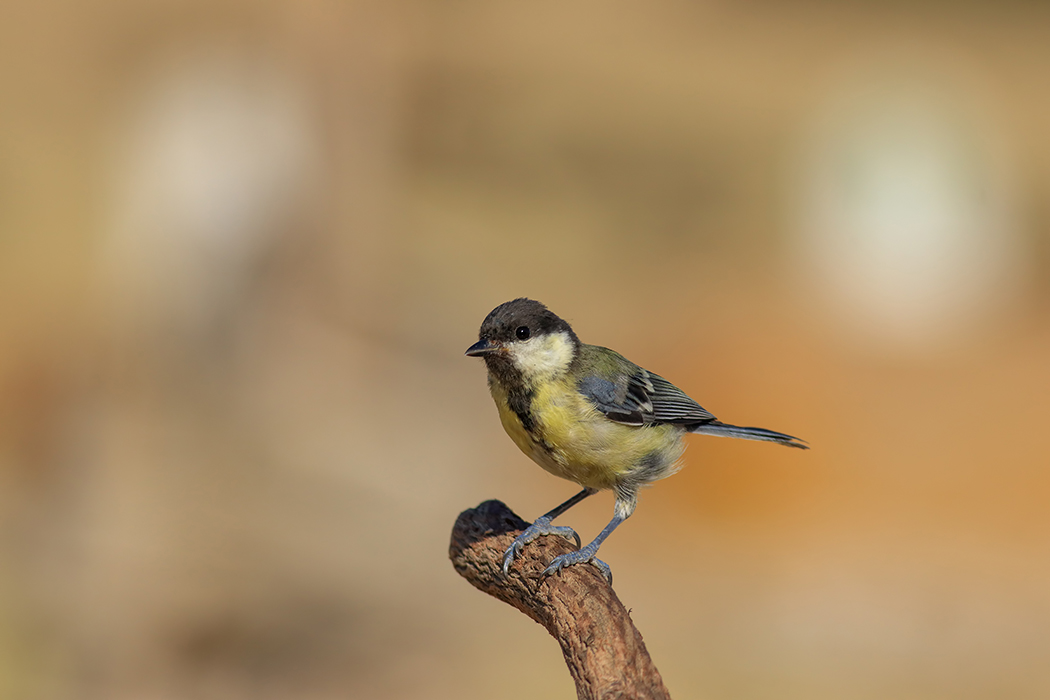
column 589, row 415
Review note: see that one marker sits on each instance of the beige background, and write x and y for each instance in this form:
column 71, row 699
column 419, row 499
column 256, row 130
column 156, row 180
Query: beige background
column 243, row 246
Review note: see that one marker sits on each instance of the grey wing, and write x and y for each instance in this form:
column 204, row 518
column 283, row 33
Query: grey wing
column 643, row 398
column 672, row 405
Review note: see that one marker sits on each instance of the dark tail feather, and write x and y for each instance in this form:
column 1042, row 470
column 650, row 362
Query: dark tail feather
column 735, row 431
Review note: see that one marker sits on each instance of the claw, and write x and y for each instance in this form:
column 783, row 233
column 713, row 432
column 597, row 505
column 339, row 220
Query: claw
column 510, row 554
column 582, row 556
column 538, row 529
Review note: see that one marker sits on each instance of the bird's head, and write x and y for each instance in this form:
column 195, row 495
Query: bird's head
column 525, row 337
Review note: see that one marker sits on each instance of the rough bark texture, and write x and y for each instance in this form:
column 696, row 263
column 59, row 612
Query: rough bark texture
column 604, row 651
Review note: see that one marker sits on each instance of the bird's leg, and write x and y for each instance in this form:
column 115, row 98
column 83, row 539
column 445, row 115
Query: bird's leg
column 543, row 526
column 625, row 503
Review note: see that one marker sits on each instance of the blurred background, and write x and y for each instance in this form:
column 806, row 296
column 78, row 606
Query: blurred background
column 244, row 245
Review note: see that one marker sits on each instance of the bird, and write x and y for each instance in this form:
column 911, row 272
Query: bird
column 587, row 414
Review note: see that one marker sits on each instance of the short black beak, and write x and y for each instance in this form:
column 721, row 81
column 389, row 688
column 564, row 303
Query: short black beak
column 481, row 348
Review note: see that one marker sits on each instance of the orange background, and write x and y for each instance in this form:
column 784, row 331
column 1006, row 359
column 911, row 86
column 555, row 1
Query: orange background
column 244, row 245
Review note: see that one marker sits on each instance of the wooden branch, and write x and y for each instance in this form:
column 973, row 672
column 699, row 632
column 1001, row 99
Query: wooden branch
column 603, row 650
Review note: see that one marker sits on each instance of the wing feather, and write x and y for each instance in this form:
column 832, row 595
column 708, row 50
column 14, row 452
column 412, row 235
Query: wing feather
column 642, row 398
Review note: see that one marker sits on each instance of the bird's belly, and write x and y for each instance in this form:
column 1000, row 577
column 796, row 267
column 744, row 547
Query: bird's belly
column 571, row 439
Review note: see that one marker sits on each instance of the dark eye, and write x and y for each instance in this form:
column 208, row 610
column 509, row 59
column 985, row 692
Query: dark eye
column 523, row 332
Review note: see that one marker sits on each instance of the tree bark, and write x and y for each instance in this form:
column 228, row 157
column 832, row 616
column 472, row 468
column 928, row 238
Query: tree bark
column 603, row 650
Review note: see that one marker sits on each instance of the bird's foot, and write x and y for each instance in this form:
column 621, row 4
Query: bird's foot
column 538, row 529
column 587, row 554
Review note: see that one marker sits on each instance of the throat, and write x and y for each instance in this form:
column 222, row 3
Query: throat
column 505, row 378
column 519, row 400
column 516, row 376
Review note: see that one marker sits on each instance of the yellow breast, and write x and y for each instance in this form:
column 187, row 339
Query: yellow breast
column 572, row 439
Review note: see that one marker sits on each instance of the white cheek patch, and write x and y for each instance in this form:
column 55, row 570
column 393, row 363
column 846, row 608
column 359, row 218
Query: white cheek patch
column 543, row 356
